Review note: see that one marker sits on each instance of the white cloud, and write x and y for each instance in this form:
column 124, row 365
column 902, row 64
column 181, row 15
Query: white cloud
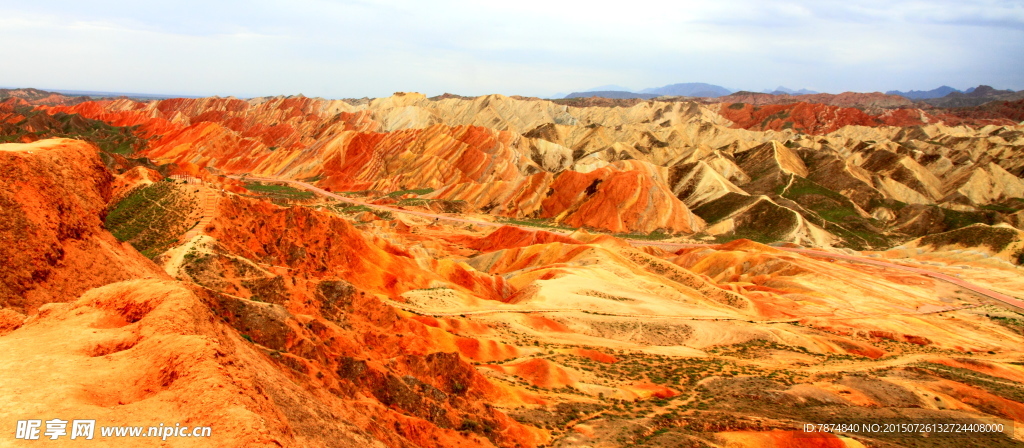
column 531, row 47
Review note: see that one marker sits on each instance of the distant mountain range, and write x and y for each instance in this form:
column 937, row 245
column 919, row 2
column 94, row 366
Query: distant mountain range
column 689, row 89
column 695, row 89
column 612, row 94
column 947, row 96
column 928, row 94
column 780, row 90
column 975, row 97
column 944, row 96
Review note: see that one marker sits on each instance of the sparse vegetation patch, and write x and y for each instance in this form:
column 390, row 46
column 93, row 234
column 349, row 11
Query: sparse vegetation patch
column 279, row 194
column 995, row 238
column 151, row 218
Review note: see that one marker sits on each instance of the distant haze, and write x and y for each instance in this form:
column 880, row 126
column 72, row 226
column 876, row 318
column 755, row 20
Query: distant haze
column 354, row 48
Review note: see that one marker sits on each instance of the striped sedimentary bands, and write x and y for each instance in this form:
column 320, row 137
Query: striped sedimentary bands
column 644, row 168
column 401, row 143
column 622, row 197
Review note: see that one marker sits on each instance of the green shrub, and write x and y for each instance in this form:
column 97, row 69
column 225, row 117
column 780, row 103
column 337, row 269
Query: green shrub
column 418, row 192
column 151, row 218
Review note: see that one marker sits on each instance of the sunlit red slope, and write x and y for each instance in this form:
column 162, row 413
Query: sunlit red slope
column 52, row 197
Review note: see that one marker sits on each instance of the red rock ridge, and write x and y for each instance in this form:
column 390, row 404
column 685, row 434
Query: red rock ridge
column 53, row 195
column 815, row 118
column 510, row 236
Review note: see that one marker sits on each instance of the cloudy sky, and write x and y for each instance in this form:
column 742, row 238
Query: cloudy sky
column 357, row 48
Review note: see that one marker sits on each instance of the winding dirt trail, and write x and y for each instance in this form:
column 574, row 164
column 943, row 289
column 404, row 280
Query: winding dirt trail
column 1011, row 301
column 791, row 320
column 209, row 211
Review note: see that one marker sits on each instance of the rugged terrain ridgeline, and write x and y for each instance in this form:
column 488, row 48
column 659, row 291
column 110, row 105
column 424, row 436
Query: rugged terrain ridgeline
column 826, row 174
column 39, row 97
column 204, row 273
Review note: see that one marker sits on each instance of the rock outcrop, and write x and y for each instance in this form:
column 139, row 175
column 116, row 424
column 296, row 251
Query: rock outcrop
column 53, row 197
